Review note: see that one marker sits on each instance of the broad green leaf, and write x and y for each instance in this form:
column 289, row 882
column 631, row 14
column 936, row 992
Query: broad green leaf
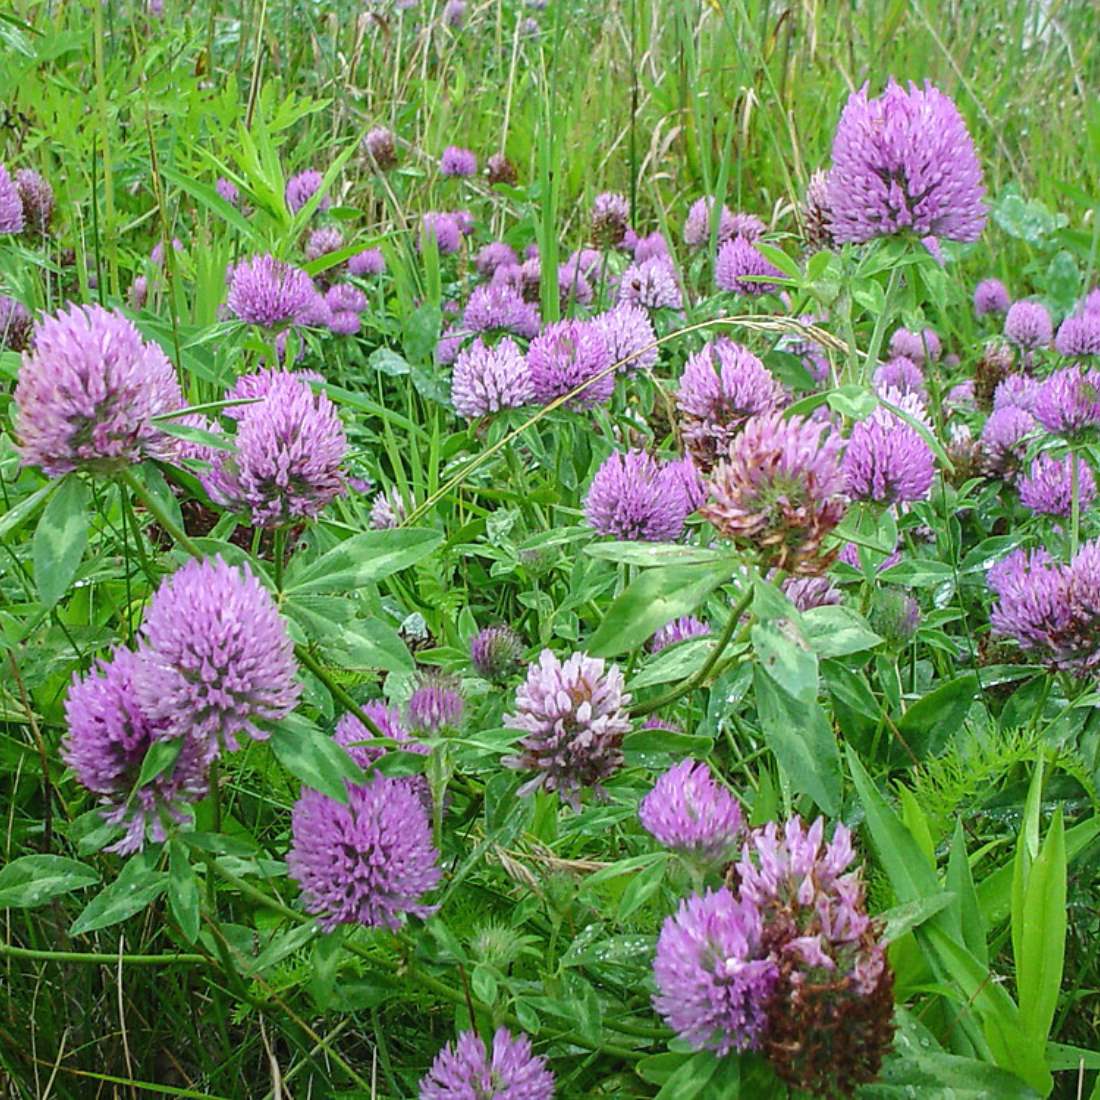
column 657, row 554
column 135, row 888
column 803, row 742
column 670, row 741
column 653, row 599
column 1043, row 936
column 60, row 539
column 422, row 333
column 183, row 890
column 160, row 757
column 676, row 663
column 691, row 1079
column 314, row 757
column 904, row 918
column 364, row 559
column 14, row 518
column 30, row 881
column 783, row 654
column 933, row 720
column 834, row 631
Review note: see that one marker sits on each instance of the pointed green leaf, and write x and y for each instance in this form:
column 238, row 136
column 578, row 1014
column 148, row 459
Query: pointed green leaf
column 60, row 539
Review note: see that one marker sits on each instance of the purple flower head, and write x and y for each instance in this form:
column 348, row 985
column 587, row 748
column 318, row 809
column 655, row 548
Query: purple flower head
column 1028, row 325
column 494, row 651
column 716, row 403
column 565, row 355
column 1091, row 301
column 368, row 861
column 499, row 169
column 887, row 459
column 88, row 392
column 454, row 15
column 107, row 739
column 499, row 307
column 457, row 162
column 714, row 976
column 633, row 496
column 156, row 256
column 1004, row 440
column 252, row 387
column 679, row 630
column 345, row 298
column 697, row 226
column 445, row 230
column 780, row 492
column 302, row 187
column 740, row 268
column 488, row 378
column 16, row 325
column 652, row 284
column 11, row 205
column 832, row 969
column 573, row 717
column 586, row 260
column 961, row 396
column 990, row 296
column 573, row 286
column 1068, row 402
column 351, row 734
column 1047, row 486
column 494, row 255
column 436, row 703
column 387, row 510
column 269, row 293
column 651, row 247
column 904, row 161
column 380, row 146
column 323, row 241
column 691, row 814
column 287, row 466
column 902, row 375
column 692, row 484
column 610, row 219
column 809, row 592
column 628, row 333
column 1079, row 336
column 1051, row 610
column 217, row 658
column 850, row 555
column 464, row 1070
column 228, row 191
column 920, row 347
column 36, row 195
column 368, row 262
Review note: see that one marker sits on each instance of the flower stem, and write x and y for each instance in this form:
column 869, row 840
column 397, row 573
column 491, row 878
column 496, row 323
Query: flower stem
column 94, row 959
column 153, row 506
column 278, row 553
column 1074, row 503
column 739, row 608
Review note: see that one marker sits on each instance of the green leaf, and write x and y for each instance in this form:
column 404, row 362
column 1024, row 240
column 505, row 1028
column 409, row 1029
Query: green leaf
column 387, row 361
column 1043, row 936
column 159, row 758
column 30, row 881
column 640, row 889
column 691, row 1078
column 803, row 742
column 314, row 757
column 933, row 720
column 60, row 539
column 970, row 928
column 658, row 553
column 670, row 741
column 135, row 888
column 653, row 599
column 904, row 918
column 422, row 333
column 834, row 631
column 1027, row 848
column 183, row 890
column 364, row 559
column 783, row 654
column 852, row 401
column 14, row 518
